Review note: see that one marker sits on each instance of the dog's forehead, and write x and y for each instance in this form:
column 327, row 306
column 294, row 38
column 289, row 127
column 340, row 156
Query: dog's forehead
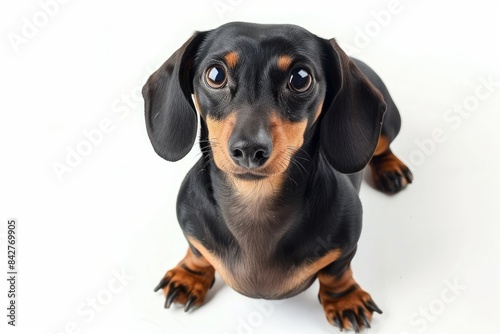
column 260, row 41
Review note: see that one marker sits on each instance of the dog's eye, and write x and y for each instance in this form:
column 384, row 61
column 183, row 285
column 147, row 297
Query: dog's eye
column 216, row 76
column 300, row 80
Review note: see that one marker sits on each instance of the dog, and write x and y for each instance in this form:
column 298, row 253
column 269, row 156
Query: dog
column 288, row 122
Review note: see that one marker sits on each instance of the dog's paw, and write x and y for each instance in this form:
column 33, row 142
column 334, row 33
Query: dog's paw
column 390, row 174
column 351, row 309
column 186, row 286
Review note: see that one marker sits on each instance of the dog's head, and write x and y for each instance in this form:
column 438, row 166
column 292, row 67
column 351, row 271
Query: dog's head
column 260, row 90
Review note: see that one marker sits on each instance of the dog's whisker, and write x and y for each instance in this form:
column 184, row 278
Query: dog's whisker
column 301, row 167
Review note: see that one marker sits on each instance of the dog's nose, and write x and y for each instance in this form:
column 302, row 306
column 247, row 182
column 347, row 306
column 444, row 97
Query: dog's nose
column 251, row 152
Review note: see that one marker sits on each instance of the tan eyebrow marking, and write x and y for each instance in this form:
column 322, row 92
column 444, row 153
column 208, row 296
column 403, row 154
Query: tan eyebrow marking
column 231, row 59
column 284, row 62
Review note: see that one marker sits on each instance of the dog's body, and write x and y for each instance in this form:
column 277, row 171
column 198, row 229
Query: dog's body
column 285, row 115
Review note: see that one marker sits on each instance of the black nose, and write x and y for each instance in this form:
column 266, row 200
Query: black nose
column 251, row 153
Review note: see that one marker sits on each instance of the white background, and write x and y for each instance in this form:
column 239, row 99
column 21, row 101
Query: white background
column 115, row 211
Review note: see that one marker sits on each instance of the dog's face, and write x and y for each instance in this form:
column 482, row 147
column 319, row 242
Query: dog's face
column 260, row 91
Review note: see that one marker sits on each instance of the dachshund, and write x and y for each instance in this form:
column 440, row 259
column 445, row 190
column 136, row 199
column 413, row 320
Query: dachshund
column 287, row 124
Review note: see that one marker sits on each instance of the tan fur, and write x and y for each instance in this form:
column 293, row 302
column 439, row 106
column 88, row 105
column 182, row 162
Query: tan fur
column 219, row 132
column 284, row 62
column 287, row 138
column 231, row 59
column 195, row 263
column 382, row 146
column 342, row 283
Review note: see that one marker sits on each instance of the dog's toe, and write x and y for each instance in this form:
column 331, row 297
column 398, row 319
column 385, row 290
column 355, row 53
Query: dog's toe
column 390, row 174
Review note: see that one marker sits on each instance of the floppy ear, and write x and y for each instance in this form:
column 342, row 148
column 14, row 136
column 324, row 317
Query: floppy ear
column 353, row 113
column 171, row 119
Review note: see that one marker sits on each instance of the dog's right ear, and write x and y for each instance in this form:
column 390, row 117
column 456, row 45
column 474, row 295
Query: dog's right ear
column 171, row 119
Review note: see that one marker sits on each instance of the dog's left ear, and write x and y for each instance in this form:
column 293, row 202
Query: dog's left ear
column 171, row 118
column 353, row 113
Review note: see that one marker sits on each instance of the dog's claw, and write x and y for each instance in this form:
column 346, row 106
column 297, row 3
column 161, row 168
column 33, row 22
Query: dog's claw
column 408, row 175
column 363, row 318
column 398, row 183
column 352, row 318
column 163, row 283
column 171, row 296
column 338, row 323
column 373, row 307
column 190, row 303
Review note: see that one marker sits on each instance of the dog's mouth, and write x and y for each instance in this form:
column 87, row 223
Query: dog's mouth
column 249, row 176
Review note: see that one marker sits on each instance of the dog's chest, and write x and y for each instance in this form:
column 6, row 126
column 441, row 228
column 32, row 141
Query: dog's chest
column 257, row 221
column 254, row 269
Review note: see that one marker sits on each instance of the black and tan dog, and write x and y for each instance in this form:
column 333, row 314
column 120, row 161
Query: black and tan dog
column 288, row 121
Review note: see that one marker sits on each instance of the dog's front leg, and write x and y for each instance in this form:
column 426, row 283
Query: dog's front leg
column 188, row 282
column 346, row 305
